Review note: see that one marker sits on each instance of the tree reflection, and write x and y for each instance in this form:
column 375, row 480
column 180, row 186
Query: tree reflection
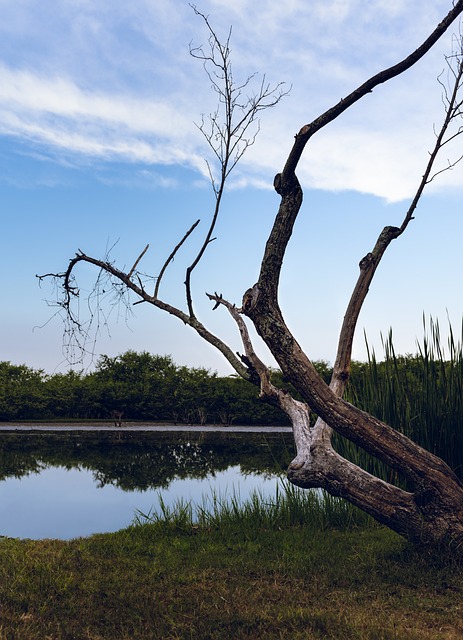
column 139, row 461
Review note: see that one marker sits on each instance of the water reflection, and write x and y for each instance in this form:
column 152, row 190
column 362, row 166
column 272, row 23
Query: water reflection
column 68, row 485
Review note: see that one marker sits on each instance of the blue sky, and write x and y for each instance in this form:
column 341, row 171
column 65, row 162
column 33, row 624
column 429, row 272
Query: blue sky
column 98, row 149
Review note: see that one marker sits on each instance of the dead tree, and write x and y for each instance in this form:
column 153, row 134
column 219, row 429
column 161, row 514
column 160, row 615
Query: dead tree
column 429, row 510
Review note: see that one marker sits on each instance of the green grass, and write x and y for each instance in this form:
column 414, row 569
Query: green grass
column 239, row 572
column 290, row 507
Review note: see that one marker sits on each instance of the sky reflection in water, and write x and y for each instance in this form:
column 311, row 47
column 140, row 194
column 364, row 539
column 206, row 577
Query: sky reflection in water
column 65, row 504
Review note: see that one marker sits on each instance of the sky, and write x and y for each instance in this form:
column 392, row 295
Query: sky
column 100, row 151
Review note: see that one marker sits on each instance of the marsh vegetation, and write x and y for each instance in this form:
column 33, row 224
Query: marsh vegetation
column 299, row 568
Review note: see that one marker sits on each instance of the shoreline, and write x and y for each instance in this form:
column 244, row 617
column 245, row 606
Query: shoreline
column 133, row 426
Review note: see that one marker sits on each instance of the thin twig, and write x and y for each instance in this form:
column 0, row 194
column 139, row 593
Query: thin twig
column 171, row 257
column 138, row 260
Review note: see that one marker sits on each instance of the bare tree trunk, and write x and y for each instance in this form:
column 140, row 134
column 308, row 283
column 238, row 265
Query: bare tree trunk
column 432, row 511
column 428, row 514
column 428, row 506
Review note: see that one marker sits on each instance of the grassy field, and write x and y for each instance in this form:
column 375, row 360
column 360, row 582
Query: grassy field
column 254, row 572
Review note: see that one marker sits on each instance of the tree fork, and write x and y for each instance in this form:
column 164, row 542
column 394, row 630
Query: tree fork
column 430, row 508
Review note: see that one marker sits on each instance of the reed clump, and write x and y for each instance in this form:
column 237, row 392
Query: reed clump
column 290, row 507
column 420, row 395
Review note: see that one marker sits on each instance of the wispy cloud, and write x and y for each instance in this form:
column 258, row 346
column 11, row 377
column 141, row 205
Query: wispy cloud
column 114, row 81
column 57, row 113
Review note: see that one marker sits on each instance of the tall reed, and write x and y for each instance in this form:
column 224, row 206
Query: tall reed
column 421, row 395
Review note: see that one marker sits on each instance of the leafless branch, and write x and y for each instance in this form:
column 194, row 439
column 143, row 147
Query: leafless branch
column 172, row 256
column 432, row 510
column 308, row 130
column 115, row 286
column 229, row 134
column 370, row 262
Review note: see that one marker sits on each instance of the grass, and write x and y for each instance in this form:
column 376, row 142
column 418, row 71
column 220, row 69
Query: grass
column 279, row 571
column 290, row 507
column 302, row 566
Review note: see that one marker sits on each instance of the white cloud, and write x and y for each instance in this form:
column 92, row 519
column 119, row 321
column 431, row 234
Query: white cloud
column 113, row 80
column 386, row 165
column 56, row 113
column 31, row 96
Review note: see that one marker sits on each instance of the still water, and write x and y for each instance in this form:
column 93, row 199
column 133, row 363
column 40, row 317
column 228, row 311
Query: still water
column 71, row 484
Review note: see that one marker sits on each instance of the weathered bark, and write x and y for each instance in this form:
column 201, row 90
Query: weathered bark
column 318, row 465
column 431, row 511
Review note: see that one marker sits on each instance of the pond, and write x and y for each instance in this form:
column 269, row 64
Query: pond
column 67, row 484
